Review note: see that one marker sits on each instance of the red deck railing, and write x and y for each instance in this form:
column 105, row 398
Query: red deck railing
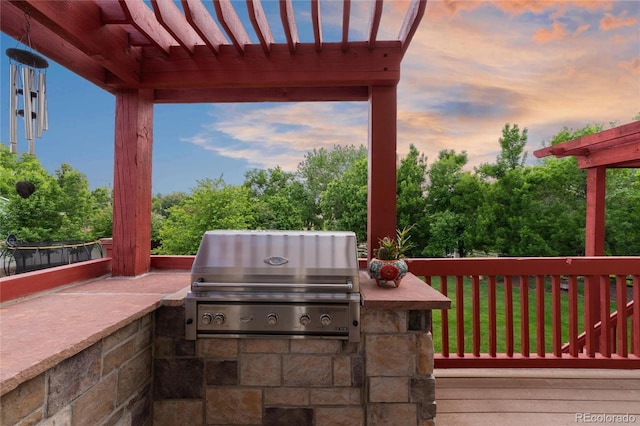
column 535, row 312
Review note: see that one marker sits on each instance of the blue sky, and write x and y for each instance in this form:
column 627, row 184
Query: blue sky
column 472, row 67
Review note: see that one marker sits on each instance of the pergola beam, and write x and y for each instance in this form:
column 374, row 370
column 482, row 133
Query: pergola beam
column 72, row 32
column 331, row 67
column 268, row 94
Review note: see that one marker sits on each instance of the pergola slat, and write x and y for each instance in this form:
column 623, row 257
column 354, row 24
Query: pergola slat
column 144, row 20
column 317, row 23
column 289, row 24
column 374, row 23
column 232, row 25
column 411, row 22
column 202, row 22
column 346, row 12
column 176, row 24
column 260, row 24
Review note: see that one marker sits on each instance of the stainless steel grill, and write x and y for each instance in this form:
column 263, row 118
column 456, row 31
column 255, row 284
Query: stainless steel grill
column 292, row 284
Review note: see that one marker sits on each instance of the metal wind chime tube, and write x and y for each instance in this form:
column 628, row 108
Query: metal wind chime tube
column 28, row 79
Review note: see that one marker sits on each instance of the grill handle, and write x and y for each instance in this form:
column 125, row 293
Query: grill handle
column 204, row 285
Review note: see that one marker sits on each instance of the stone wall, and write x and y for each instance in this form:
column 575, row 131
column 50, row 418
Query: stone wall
column 108, row 383
column 385, row 379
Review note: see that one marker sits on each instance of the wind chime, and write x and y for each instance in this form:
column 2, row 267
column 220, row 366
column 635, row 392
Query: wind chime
column 27, row 94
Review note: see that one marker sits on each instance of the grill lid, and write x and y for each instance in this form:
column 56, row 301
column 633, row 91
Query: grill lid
column 276, row 257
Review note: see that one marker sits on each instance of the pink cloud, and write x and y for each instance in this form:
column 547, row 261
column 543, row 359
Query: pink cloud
column 618, row 39
column 516, row 7
column 544, row 35
column 610, row 22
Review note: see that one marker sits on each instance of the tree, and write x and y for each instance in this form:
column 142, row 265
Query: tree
column 512, row 155
column 212, row 205
column 344, row 202
column 622, row 236
column 74, row 204
column 279, row 199
column 319, row 168
column 452, row 201
column 411, row 202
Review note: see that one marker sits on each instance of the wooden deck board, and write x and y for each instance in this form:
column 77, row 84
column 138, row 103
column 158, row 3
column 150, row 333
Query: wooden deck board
column 523, row 397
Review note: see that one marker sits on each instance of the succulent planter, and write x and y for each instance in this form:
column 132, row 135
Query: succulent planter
column 388, row 270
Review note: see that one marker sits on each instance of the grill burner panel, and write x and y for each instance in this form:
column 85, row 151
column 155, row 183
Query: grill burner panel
column 276, row 319
column 290, row 284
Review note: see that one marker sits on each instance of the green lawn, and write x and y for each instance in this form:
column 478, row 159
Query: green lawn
column 500, row 317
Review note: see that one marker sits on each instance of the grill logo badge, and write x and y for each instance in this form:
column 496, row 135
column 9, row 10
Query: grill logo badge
column 276, row 260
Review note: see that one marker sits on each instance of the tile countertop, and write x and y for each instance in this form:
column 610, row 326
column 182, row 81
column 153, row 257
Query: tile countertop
column 413, row 293
column 38, row 332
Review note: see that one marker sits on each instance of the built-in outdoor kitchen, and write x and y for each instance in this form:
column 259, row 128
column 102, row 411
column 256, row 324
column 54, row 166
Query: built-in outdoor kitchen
column 267, row 328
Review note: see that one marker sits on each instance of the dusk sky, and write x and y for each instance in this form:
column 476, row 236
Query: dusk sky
column 472, row 67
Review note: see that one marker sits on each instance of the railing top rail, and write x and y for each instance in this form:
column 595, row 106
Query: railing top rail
column 587, row 265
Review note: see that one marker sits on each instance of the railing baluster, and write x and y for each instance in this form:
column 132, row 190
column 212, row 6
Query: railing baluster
column 524, row 315
column 573, row 315
column 605, row 312
column 621, row 307
column 590, row 315
column 460, row 315
column 492, row 316
column 556, row 315
column 508, row 313
column 475, row 296
column 540, row 315
column 445, row 319
column 635, row 319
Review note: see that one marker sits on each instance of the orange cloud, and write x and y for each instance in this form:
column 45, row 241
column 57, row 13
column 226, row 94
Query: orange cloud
column 611, row 22
column 516, row 7
column 621, row 40
column 544, row 35
column 581, row 29
column 633, row 65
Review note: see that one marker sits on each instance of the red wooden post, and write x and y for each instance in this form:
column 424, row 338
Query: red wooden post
column 635, row 319
column 382, row 165
column 605, row 331
column 132, row 183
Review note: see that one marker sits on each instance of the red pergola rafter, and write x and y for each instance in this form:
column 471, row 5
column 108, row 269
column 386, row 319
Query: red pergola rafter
column 147, row 53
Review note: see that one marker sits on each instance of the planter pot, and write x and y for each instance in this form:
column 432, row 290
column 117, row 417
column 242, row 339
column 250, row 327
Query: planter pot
column 388, row 270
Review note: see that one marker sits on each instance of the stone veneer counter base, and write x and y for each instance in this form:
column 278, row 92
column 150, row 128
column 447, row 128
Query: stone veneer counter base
column 41, row 331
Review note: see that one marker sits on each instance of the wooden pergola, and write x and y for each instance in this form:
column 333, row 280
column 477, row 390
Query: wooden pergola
column 618, row 147
column 168, row 54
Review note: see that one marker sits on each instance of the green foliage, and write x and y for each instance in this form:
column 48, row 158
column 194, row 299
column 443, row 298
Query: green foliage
column 512, row 155
column 59, row 208
column 411, row 202
column 394, row 248
column 279, row 199
column 321, row 167
column 212, row 205
column 344, row 202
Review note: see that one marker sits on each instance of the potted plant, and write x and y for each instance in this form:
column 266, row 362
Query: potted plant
column 388, row 263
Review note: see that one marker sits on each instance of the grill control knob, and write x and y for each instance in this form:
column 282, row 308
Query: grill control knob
column 207, row 318
column 219, row 318
column 325, row 320
column 305, row 319
column 272, row 319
